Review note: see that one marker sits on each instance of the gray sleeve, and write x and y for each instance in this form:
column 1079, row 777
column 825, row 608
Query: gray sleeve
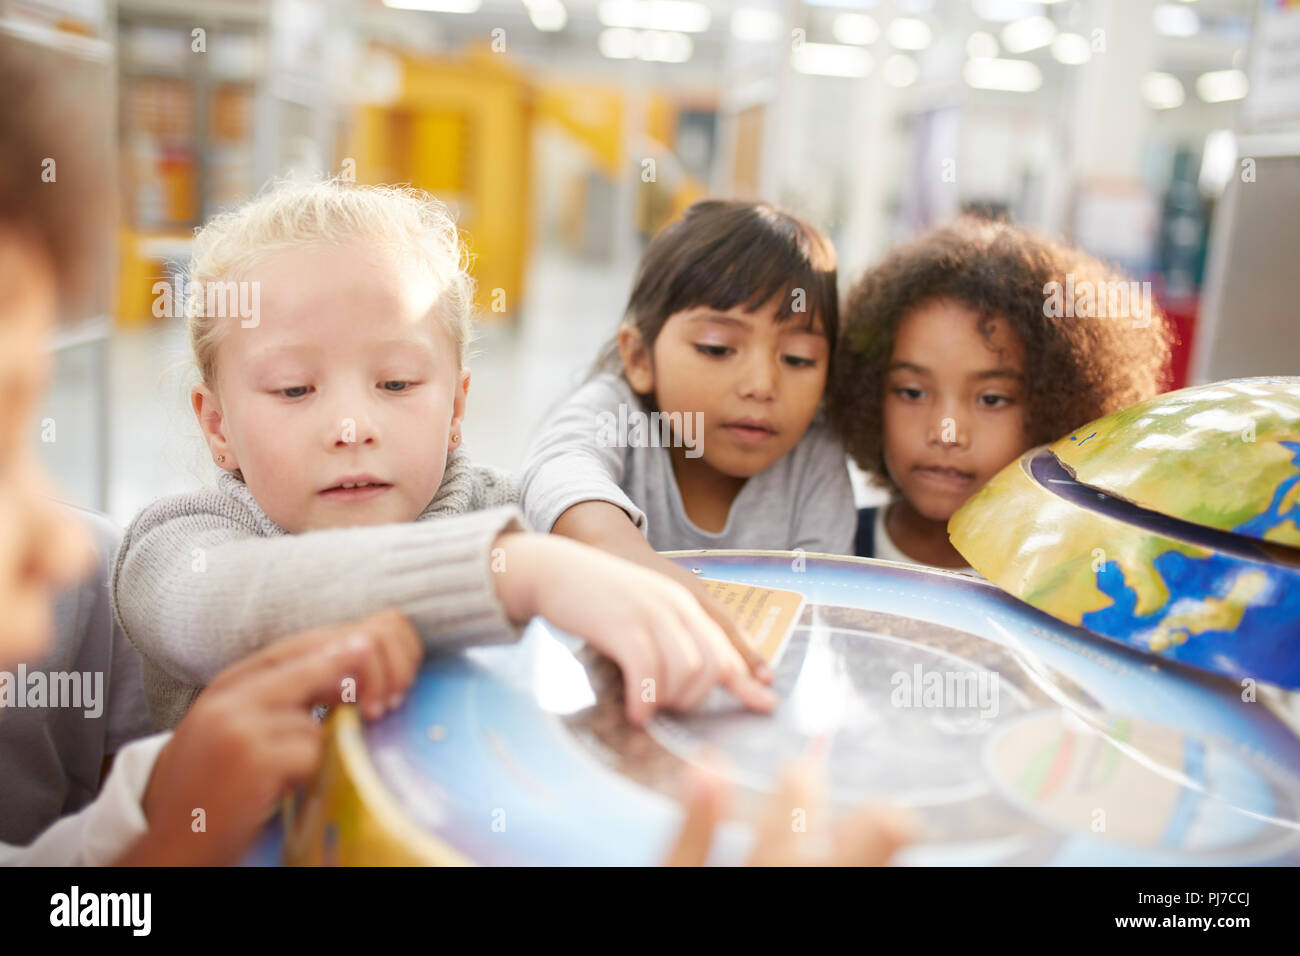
column 195, row 590
column 494, row 488
column 126, row 711
column 100, row 639
column 578, row 458
column 826, row 515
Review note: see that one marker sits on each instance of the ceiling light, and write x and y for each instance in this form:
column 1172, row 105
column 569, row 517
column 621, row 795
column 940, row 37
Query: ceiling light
column 1028, row 34
column 674, row 15
column 1162, row 91
column 855, row 28
column 547, row 15
column 906, row 33
column 1071, row 49
column 1004, row 11
column 1175, row 21
column 1220, row 86
column 831, row 59
column 617, row 44
column 1011, row 76
column 436, row 6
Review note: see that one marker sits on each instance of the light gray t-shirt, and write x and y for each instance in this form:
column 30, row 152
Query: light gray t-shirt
column 804, row 500
column 51, row 756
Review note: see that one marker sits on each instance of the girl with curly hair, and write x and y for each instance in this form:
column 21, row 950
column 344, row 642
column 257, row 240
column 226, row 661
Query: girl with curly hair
column 967, row 347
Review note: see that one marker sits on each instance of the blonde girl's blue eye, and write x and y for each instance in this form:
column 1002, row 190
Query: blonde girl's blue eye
column 297, row 391
column 401, row 386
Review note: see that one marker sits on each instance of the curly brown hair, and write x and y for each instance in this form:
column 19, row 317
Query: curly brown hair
column 1076, row 368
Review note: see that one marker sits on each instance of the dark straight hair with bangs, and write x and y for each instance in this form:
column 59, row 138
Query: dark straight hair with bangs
column 727, row 253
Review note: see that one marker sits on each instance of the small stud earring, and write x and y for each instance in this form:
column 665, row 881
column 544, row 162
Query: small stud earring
column 455, row 439
column 221, row 459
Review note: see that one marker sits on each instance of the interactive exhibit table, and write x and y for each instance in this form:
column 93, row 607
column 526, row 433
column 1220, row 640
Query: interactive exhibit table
column 1104, row 700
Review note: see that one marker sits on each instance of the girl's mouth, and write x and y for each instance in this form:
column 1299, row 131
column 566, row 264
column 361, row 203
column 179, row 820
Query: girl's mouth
column 947, row 477
column 349, row 492
column 749, row 433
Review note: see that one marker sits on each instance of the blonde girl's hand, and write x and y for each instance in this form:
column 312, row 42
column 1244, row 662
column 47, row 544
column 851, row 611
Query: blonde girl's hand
column 670, row 650
column 607, row 527
column 725, row 620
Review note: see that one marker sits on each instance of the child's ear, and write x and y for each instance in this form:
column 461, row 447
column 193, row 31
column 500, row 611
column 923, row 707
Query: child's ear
column 208, row 411
column 458, row 408
column 638, row 363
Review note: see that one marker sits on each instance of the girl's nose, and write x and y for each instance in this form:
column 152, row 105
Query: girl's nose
column 353, row 431
column 760, row 378
column 948, row 430
column 352, row 425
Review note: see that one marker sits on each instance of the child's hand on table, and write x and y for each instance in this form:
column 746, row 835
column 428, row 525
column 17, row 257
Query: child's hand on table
column 716, row 610
column 250, row 735
column 607, row 527
column 870, row 836
column 651, row 626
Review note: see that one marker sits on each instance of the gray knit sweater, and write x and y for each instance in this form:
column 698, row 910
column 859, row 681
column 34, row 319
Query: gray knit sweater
column 206, row 578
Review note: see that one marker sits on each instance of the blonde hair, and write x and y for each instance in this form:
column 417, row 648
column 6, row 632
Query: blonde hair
column 291, row 213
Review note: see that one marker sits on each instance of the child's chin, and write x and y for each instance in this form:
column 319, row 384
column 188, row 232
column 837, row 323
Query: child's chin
column 739, row 466
column 355, row 516
column 938, row 508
